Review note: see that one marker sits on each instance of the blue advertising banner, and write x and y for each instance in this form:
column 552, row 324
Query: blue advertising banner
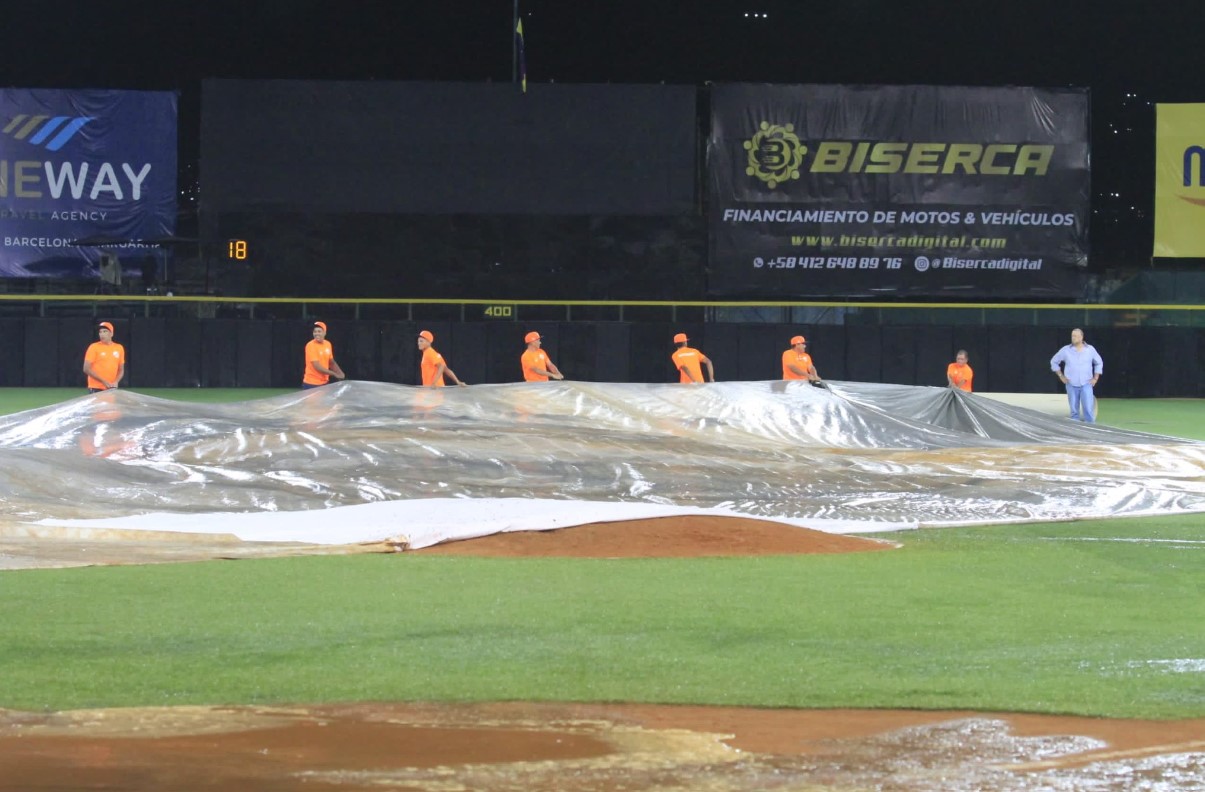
column 882, row 191
column 76, row 166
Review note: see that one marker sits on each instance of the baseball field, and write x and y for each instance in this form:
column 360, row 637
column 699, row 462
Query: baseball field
column 1098, row 618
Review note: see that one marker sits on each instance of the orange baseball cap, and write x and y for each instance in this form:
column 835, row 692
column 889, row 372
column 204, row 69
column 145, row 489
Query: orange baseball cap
column 107, row 325
column 680, row 338
column 532, row 336
column 321, row 324
column 798, row 340
column 427, row 335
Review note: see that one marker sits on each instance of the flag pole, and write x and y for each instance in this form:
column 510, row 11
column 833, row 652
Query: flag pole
column 514, row 45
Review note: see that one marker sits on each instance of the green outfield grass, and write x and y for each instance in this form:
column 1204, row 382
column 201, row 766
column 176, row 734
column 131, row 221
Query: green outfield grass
column 1100, row 617
column 17, row 399
column 1070, row 618
column 1176, row 417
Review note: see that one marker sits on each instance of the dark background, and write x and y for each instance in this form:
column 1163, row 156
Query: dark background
column 1130, row 55
column 446, row 148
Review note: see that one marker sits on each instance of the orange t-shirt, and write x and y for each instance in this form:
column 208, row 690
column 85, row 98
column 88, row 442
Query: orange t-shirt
column 324, row 353
column 690, row 359
column 535, row 358
column 801, row 359
column 106, row 360
column 961, row 374
column 429, row 365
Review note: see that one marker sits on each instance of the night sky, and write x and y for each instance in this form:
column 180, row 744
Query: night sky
column 1130, row 56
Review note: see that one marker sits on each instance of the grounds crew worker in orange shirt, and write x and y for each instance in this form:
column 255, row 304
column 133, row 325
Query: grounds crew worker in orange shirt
column 959, row 373
column 432, row 366
column 320, row 363
column 689, row 361
column 797, row 363
column 537, row 366
column 105, row 361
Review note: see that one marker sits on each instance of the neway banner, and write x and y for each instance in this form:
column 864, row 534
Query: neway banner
column 78, row 164
column 864, row 191
column 1180, row 180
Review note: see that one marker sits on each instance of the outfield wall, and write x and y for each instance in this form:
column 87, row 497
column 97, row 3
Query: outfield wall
column 192, row 352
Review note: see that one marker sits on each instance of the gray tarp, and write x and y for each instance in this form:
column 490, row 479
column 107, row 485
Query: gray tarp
column 858, row 451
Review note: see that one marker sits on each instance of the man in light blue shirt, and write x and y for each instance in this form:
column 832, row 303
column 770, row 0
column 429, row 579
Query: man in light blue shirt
column 1081, row 368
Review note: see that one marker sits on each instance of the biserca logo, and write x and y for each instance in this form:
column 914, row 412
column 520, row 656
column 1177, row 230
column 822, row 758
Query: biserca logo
column 775, row 154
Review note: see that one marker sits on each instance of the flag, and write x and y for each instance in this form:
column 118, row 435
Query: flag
column 522, row 59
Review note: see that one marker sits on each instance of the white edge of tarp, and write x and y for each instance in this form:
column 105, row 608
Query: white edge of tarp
column 429, row 521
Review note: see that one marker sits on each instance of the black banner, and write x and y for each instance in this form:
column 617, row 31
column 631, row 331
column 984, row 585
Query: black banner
column 874, row 191
column 448, row 148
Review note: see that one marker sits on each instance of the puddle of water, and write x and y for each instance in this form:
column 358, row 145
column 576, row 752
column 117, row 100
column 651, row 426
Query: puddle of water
column 542, row 748
column 274, row 757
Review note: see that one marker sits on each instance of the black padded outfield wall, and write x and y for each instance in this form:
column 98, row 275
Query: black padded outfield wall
column 189, row 352
column 924, row 191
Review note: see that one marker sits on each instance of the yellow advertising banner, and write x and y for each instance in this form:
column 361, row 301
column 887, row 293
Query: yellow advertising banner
column 1179, row 181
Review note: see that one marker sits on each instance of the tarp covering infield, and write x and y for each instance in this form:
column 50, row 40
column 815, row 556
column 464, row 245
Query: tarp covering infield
column 369, row 462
